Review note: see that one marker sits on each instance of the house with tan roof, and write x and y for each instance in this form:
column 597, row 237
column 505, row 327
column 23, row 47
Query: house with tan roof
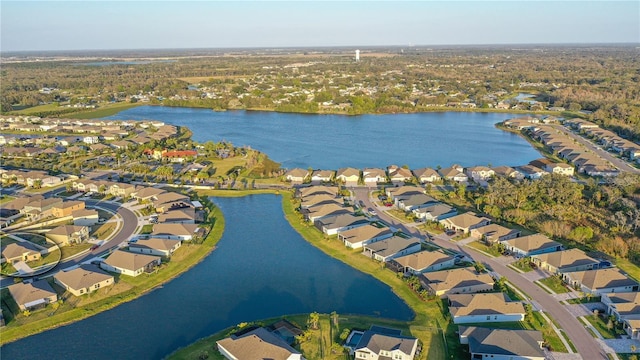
column 565, row 261
column 68, row 234
column 423, row 261
column 332, row 225
column 20, row 251
column 372, row 176
column 66, row 208
column 426, row 175
column 317, row 190
column 456, row 281
column 144, row 193
column 121, row 189
column 320, row 211
column 184, row 232
column 465, row 222
column 170, row 201
column 405, row 190
column 454, row 174
column 600, row 281
column 320, row 176
column 535, row 244
column 508, row 172
column 257, row 344
column 493, row 233
column 399, row 175
column 297, row 175
column 34, row 295
column 155, row 246
column 390, row 248
column 178, row 216
column 131, row 264
column 415, row 201
column 531, row 172
column 83, row 279
column 41, row 206
column 435, row 212
column 480, row 173
column 85, row 217
column 626, row 308
column 380, row 343
column 358, row 237
column 320, row 199
column 484, row 308
column 487, row 343
column 348, row 176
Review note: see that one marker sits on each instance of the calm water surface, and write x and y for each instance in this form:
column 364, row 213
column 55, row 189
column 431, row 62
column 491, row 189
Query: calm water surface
column 334, row 141
column 262, row 268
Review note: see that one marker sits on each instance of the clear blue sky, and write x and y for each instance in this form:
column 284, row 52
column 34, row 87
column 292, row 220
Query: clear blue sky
column 81, row 25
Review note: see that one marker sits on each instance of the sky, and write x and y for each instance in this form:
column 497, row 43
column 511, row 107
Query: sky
column 91, row 25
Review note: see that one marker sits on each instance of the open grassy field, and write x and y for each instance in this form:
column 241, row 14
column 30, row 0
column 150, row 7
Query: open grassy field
column 555, row 283
column 103, row 111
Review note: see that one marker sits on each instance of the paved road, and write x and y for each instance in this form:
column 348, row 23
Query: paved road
column 619, row 163
column 582, row 340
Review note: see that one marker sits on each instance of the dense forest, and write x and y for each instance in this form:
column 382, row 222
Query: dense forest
column 602, row 82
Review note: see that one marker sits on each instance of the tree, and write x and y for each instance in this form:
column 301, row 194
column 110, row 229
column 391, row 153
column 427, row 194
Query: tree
column 344, row 334
column 314, row 320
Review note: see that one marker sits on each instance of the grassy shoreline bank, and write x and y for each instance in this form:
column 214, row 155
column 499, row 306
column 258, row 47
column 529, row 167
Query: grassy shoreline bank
column 173, row 270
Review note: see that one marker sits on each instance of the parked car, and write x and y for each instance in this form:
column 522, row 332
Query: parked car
column 372, row 212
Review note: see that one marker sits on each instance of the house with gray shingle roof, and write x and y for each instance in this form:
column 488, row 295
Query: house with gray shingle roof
column 435, row 212
column 155, row 246
column 358, row 237
column 414, row 201
column 465, row 222
column 534, row 244
column 391, row 248
column 600, row 281
column 565, row 261
column 456, row 281
column 332, row 225
column 424, row 261
column 626, row 308
column 493, row 233
column 502, row 344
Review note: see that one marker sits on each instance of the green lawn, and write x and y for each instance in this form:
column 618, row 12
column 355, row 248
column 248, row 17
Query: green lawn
column 630, row 268
column 71, row 250
column 491, row 250
column 103, row 111
column 584, row 300
column 601, row 324
column 555, row 283
column 523, row 265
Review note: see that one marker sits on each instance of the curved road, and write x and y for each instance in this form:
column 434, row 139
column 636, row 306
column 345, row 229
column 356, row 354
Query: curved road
column 579, row 336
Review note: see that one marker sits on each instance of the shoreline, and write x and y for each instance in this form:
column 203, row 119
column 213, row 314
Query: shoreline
column 209, row 245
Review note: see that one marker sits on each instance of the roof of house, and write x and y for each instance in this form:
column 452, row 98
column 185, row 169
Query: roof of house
column 436, row 209
column 602, row 278
column 495, row 230
column 328, row 209
column 416, row 199
column 169, row 197
column 625, row 303
column 310, row 200
column 315, row 190
column 450, row 172
column 25, row 293
column 145, row 192
column 483, row 304
column 82, row 277
column 503, row 342
column 18, row 249
column 84, row 213
column 129, row 261
column 154, row 244
column 404, row 190
column 323, row 173
column 504, row 170
column 373, row 172
column 423, row 259
column 348, row 172
column 258, row 344
column 567, row 258
column 178, row 214
column 66, row 230
column 68, row 204
column 465, row 220
column 450, row 279
column 392, row 245
column 342, row 220
column 532, row 242
column 174, row 229
column 297, row 172
column 363, row 233
column 375, row 342
column 425, row 172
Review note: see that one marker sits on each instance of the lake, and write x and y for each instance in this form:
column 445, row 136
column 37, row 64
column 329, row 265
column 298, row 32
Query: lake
column 261, row 268
column 336, row 141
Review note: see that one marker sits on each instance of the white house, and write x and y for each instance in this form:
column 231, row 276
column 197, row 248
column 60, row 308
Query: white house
column 128, row 263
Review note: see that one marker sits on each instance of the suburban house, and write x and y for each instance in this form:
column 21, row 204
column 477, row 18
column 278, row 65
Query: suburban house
column 318, row 212
column 465, row 222
column 83, row 279
column 29, row 296
column 319, row 199
column 600, row 281
column 155, row 246
column 526, row 122
column 319, row 176
column 531, row 172
column 68, row 234
column 435, row 212
column 565, row 261
column 121, row 190
column 183, row 232
column 493, row 233
column 296, row 176
column 363, row 235
column 399, row 175
column 487, row 343
column 626, row 308
column 480, row 173
column 454, row 174
column 85, row 217
column 20, row 251
column 535, row 244
column 317, row 190
column 178, row 216
column 380, row 343
column 423, row 261
column 146, row 193
column 332, row 225
column 508, row 172
column 413, row 202
column 128, row 263
column 406, row 190
column 553, row 167
column 257, row 344
column 456, row 281
column 41, row 206
column 484, row 308
column 391, row 248
column 426, row 175
column 348, row 176
column 168, row 201
column 373, row 176
column 66, row 208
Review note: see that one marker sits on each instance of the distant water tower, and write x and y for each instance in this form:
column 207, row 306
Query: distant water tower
column 357, row 55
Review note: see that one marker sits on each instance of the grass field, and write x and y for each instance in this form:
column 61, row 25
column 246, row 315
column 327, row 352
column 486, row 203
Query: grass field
column 491, row 250
column 601, row 325
column 630, row 268
column 103, row 111
column 523, row 265
column 555, row 283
